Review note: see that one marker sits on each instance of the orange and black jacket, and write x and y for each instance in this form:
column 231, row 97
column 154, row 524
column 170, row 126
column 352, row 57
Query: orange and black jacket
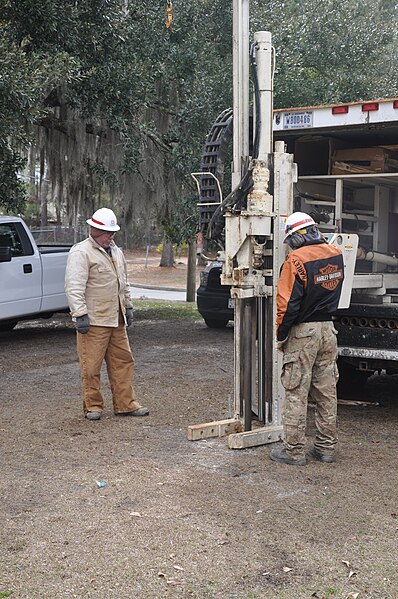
column 309, row 286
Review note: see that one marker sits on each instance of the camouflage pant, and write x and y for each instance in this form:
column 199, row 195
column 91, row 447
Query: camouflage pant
column 309, row 369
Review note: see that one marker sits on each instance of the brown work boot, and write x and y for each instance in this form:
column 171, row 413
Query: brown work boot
column 138, row 412
column 279, row 454
column 327, row 458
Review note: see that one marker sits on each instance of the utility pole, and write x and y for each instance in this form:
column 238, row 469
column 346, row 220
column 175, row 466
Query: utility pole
column 191, row 272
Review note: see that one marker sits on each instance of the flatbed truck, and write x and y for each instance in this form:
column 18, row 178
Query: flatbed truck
column 347, row 161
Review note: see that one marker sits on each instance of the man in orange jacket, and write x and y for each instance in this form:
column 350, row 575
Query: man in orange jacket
column 309, row 290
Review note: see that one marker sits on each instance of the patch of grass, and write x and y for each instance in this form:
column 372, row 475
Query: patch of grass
column 146, row 309
column 5, row 594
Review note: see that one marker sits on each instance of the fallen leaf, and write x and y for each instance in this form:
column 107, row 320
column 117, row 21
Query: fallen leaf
column 352, row 595
column 345, row 563
column 178, row 568
column 174, row 581
column 266, row 574
column 286, row 569
column 170, row 581
column 351, row 574
column 136, row 514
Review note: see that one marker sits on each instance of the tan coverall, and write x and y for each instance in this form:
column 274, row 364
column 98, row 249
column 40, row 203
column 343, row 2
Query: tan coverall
column 96, row 284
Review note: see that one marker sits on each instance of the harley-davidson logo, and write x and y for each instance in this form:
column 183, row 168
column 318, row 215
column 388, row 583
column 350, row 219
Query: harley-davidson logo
column 329, row 277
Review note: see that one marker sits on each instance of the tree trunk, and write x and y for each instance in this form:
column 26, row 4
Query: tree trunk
column 167, row 258
column 201, row 247
column 43, row 197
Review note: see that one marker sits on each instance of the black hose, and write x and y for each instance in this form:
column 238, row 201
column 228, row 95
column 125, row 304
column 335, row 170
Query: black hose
column 253, row 65
column 236, row 200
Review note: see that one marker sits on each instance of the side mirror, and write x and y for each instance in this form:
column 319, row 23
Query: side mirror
column 5, row 254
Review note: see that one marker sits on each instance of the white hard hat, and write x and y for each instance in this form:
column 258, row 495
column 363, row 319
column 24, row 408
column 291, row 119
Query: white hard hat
column 297, row 221
column 104, row 219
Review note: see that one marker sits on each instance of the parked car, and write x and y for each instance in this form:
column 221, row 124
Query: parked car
column 213, row 299
column 32, row 276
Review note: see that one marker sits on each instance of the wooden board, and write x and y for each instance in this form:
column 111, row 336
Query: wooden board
column 218, row 428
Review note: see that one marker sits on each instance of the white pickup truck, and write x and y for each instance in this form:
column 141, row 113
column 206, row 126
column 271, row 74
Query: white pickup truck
column 31, row 276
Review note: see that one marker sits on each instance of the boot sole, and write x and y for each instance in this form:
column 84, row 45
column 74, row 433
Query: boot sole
column 325, row 459
column 132, row 414
column 287, row 461
column 93, row 419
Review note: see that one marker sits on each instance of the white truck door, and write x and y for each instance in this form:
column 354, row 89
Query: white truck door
column 21, row 277
column 53, row 264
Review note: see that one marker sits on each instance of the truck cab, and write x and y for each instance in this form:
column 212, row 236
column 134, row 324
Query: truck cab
column 32, row 276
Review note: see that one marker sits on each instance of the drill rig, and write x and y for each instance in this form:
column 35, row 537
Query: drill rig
column 254, row 215
column 252, row 218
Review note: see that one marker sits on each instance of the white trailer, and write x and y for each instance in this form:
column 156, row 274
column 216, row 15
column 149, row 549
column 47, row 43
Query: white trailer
column 347, row 158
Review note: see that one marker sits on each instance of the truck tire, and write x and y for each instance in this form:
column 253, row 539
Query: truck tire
column 216, row 324
column 351, row 380
column 8, row 326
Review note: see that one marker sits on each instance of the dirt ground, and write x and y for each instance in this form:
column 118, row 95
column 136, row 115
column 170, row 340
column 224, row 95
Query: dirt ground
column 181, row 519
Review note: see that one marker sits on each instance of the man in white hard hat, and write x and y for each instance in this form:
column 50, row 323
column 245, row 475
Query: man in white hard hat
column 99, row 301
column 309, row 290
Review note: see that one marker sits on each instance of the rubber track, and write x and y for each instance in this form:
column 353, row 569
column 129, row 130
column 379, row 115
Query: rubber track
column 213, row 159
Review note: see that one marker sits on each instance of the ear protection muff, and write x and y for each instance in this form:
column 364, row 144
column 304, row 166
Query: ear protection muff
column 295, row 240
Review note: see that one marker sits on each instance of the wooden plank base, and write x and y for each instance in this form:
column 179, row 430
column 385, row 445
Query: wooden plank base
column 218, row 428
column 260, row 436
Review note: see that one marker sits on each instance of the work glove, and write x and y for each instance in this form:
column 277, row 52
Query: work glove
column 129, row 316
column 82, row 324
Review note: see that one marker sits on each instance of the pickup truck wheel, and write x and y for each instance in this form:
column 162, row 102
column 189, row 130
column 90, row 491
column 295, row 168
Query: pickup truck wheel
column 8, row 326
column 216, row 324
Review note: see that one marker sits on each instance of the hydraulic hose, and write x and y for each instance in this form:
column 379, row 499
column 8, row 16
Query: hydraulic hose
column 253, row 65
column 371, row 256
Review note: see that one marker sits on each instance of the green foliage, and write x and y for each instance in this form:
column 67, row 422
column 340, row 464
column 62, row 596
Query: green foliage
column 27, row 77
column 12, row 195
column 113, row 67
column 181, row 225
column 332, row 52
column 180, row 249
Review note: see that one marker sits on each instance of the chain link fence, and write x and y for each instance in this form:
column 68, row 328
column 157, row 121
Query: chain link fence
column 59, row 234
